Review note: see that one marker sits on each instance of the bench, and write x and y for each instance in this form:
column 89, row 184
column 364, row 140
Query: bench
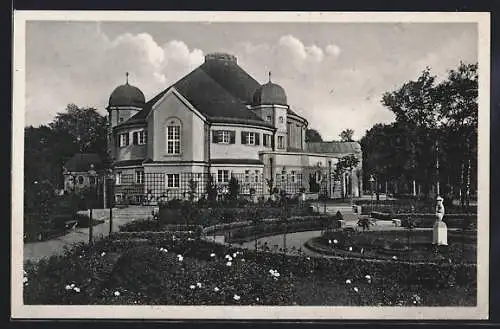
column 397, row 222
column 71, row 224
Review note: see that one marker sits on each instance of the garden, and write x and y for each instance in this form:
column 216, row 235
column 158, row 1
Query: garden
column 48, row 216
column 196, row 272
column 405, row 245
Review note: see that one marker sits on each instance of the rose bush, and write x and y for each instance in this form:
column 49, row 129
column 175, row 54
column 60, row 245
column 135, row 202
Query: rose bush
column 182, row 272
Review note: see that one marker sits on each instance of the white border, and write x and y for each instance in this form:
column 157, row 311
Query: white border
column 249, row 312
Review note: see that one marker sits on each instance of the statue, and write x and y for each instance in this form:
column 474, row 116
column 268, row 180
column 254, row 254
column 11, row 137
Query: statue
column 439, row 209
column 440, row 234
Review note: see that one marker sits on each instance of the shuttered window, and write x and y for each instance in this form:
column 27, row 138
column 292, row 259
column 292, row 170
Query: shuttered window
column 224, row 136
column 250, row 138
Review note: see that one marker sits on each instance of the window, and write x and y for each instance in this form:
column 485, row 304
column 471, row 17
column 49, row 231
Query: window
column 224, row 136
column 257, row 173
column 280, row 119
column 281, row 142
column 92, row 180
column 247, row 176
column 139, row 137
column 139, row 177
column 173, row 181
column 267, row 140
column 118, row 178
column 121, row 119
column 80, row 180
column 250, row 138
column 124, row 139
column 173, row 138
column 292, row 176
column 269, row 118
column 223, row 176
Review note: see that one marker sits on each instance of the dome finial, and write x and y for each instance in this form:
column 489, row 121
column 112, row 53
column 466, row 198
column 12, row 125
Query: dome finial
column 126, row 75
column 269, row 76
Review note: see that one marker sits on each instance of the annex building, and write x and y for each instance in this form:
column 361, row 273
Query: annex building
column 218, row 121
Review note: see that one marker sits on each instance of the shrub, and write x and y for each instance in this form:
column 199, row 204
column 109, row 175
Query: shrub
column 142, row 225
column 148, row 275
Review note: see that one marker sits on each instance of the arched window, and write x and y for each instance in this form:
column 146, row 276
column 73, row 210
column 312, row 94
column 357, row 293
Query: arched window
column 173, row 129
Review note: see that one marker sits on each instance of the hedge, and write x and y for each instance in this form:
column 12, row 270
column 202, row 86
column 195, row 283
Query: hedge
column 211, row 216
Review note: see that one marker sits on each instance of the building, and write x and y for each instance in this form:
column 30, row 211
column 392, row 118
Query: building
column 217, row 121
column 78, row 171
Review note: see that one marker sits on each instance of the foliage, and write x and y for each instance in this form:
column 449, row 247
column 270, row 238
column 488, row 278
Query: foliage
column 211, row 190
column 429, row 113
column 346, row 135
column 228, row 212
column 313, row 136
column 111, row 273
column 234, row 188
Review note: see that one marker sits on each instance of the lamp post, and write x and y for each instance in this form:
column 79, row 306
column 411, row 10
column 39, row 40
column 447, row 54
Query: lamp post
column 371, row 180
column 111, row 198
column 92, row 173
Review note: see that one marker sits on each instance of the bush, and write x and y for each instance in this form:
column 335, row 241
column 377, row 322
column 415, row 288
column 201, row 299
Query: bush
column 150, row 276
column 142, row 225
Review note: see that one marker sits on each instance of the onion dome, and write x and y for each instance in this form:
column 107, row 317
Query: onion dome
column 269, row 94
column 127, row 95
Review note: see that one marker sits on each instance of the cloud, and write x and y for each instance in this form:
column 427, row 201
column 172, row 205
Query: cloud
column 334, row 84
column 78, row 63
column 333, row 50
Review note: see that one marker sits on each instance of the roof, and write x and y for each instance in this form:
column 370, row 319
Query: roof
column 269, row 94
column 81, row 162
column 127, row 95
column 225, row 70
column 334, row 147
column 213, row 100
column 220, row 89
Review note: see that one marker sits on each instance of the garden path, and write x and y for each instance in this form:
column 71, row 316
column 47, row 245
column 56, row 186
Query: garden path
column 34, row 251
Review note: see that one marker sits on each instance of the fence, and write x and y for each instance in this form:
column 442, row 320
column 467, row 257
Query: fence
column 156, row 187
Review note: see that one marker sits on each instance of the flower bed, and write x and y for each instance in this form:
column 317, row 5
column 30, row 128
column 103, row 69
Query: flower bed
column 415, row 246
column 201, row 273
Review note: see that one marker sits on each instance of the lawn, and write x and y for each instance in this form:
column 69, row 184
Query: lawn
column 197, row 272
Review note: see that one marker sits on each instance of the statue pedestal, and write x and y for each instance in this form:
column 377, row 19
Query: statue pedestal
column 440, row 234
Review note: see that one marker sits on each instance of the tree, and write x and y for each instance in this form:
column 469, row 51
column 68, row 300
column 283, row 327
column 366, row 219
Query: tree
column 84, row 129
column 347, row 164
column 234, row 188
column 313, row 136
column 211, row 189
column 346, row 135
column 431, row 114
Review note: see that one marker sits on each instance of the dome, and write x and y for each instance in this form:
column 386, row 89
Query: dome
column 269, row 94
column 127, row 95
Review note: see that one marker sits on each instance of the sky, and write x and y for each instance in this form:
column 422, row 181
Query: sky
column 334, row 74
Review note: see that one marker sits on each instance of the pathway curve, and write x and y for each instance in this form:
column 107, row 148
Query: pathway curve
column 34, row 251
